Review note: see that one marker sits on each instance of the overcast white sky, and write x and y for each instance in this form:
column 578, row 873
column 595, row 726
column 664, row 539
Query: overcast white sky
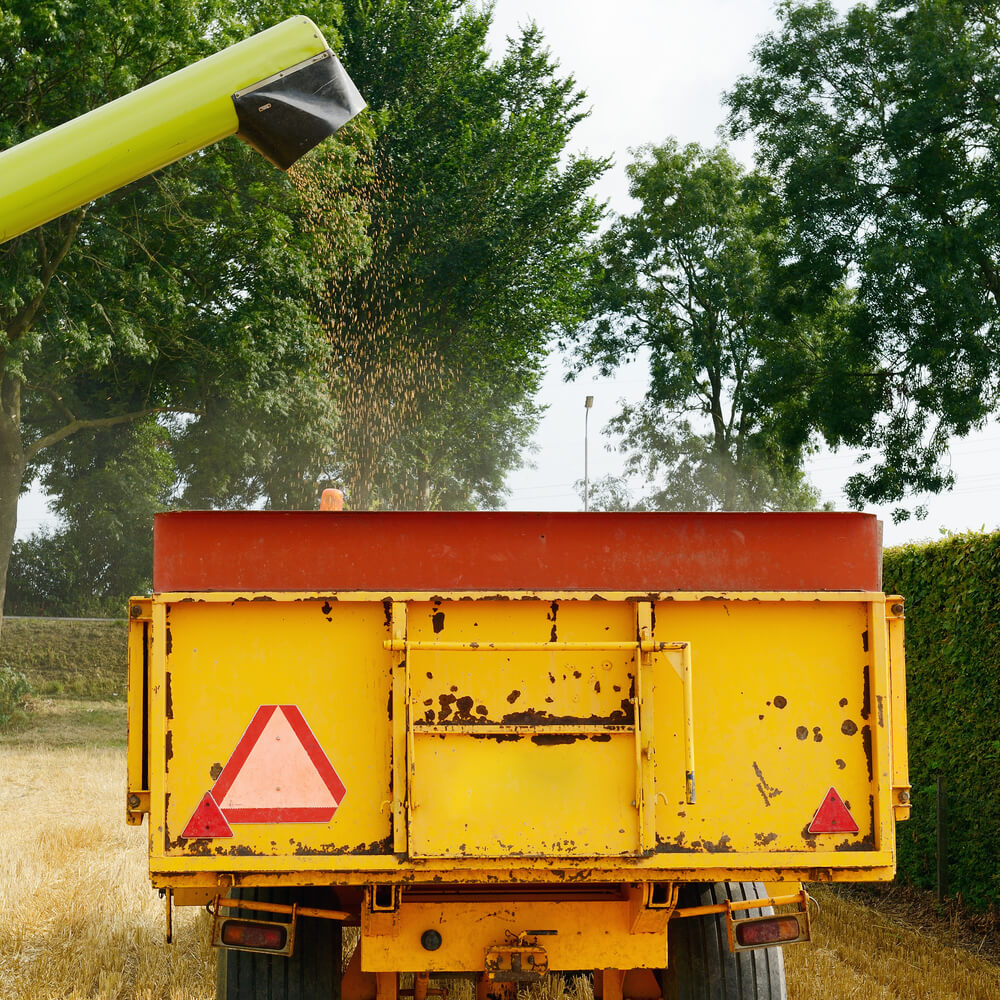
column 652, row 69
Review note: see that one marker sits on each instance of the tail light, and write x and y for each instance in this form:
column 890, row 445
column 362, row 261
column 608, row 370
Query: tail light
column 762, row 932
column 254, row 935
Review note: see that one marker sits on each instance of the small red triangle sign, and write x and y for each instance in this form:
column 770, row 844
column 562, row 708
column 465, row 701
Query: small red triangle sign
column 833, row 816
column 207, row 821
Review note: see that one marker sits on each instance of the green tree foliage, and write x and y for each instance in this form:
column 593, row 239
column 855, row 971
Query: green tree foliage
column 105, row 487
column 692, row 279
column 952, row 591
column 882, row 125
column 184, row 293
column 480, row 226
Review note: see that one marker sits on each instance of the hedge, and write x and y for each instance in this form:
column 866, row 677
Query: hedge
column 952, row 593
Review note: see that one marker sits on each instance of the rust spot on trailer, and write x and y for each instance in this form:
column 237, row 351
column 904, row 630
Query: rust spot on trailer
column 766, row 790
column 676, row 846
column 763, row 839
column 437, row 621
column 878, row 703
column 849, row 727
column 601, row 738
column 840, row 763
column 168, row 697
column 809, row 838
column 168, row 752
column 387, row 609
column 513, row 696
column 555, row 739
column 551, row 616
column 482, row 710
column 597, row 687
column 170, row 640
column 722, row 846
column 446, row 701
column 215, row 770
column 866, row 695
column 817, row 735
column 463, row 708
column 540, row 717
column 577, row 674
column 866, row 739
column 780, row 701
column 842, row 703
column 428, row 701
column 801, row 733
column 867, row 842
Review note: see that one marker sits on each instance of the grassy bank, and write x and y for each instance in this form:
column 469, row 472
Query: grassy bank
column 77, row 674
column 63, row 658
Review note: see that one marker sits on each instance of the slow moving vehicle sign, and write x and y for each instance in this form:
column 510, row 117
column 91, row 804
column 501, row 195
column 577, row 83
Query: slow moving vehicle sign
column 278, row 773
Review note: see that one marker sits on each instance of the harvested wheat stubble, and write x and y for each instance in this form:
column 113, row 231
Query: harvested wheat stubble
column 79, row 920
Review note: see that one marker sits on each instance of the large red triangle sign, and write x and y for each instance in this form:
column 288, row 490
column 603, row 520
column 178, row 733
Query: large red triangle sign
column 278, row 773
column 833, row 816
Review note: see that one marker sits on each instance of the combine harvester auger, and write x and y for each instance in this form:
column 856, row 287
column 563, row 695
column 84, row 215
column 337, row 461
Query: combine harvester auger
column 282, row 91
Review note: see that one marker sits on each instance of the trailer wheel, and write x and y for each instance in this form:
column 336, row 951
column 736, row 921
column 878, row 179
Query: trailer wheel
column 700, row 964
column 311, row 973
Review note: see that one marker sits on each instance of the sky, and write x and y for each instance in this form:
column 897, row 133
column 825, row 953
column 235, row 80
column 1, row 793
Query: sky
column 653, row 69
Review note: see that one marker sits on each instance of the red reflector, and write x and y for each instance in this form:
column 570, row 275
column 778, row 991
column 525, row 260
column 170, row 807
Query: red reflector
column 767, row 931
column 833, row 816
column 246, row 934
column 207, row 821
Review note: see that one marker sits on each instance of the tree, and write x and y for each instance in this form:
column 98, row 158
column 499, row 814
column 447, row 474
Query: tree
column 185, row 293
column 694, row 279
column 105, row 485
column 480, row 232
column 881, row 126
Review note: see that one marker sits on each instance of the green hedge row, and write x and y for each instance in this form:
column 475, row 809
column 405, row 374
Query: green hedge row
column 952, row 592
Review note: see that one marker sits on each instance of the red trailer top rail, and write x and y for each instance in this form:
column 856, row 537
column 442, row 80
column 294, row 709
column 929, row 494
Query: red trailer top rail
column 421, row 551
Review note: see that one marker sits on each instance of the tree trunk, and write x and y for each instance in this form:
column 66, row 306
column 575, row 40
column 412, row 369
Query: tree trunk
column 11, row 475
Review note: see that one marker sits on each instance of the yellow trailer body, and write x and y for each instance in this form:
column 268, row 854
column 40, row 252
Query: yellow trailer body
column 402, row 738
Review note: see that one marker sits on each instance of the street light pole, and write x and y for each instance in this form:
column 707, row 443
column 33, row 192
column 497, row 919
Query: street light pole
column 588, row 403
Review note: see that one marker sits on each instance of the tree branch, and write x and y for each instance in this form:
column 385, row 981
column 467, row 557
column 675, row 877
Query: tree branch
column 82, row 425
column 22, row 321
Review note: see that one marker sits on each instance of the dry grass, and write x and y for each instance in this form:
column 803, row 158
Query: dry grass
column 79, row 920
column 860, row 953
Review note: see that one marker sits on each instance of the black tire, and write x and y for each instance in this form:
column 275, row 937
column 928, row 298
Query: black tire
column 700, row 964
column 313, row 970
